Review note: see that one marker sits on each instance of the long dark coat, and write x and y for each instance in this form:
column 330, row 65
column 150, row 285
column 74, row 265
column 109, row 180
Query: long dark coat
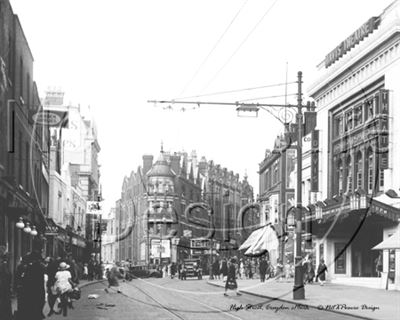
column 224, row 268
column 33, row 292
column 321, row 271
column 231, row 279
column 5, row 292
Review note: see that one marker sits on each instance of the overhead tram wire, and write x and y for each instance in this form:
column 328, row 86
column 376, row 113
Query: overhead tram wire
column 212, row 50
column 233, row 91
column 240, row 45
column 269, row 97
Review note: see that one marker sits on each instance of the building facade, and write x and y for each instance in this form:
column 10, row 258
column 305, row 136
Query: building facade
column 74, row 180
column 151, row 214
column 358, row 101
column 278, row 178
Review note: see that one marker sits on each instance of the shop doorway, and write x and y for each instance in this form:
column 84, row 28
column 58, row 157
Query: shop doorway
column 363, row 259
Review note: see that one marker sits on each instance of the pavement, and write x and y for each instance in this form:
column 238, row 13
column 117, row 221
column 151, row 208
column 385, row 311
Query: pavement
column 359, row 302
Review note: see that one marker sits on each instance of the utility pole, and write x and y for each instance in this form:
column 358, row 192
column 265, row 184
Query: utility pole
column 298, row 289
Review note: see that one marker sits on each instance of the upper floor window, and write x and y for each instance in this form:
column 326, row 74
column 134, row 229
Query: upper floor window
column 348, row 124
column 359, row 170
column 370, row 179
column 369, row 109
column 340, row 177
column 357, row 114
column 338, row 126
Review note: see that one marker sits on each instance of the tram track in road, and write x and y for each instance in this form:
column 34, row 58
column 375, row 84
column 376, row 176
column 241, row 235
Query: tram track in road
column 158, row 303
column 181, row 313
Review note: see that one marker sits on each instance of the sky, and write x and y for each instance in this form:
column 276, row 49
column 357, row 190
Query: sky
column 116, row 55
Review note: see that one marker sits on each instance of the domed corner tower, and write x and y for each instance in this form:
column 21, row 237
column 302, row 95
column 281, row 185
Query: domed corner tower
column 162, row 216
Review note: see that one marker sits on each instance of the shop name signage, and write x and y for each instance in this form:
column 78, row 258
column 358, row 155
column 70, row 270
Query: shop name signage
column 314, row 160
column 352, row 40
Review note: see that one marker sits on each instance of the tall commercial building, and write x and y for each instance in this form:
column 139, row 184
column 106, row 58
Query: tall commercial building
column 74, row 179
column 24, row 152
column 358, row 103
column 153, row 203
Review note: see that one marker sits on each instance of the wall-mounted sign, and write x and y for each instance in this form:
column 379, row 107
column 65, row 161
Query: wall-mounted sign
column 352, row 40
column 314, row 160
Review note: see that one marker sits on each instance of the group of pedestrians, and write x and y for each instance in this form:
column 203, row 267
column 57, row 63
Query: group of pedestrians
column 309, row 272
column 37, row 281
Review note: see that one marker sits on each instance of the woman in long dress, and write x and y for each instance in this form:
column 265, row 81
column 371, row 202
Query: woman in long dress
column 231, row 279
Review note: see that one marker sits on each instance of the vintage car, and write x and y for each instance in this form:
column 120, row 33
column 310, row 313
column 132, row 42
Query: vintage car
column 191, row 268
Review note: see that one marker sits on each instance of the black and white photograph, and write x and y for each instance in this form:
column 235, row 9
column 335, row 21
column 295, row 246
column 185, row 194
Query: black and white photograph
column 187, row 159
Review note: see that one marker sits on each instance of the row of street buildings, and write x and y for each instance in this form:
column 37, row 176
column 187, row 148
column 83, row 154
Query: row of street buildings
column 350, row 187
column 49, row 170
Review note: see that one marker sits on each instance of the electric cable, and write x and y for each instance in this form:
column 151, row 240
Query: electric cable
column 233, row 91
column 212, row 50
column 240, row 45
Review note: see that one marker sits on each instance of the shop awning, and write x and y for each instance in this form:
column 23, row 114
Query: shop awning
column 260, row 241
column 392, row 242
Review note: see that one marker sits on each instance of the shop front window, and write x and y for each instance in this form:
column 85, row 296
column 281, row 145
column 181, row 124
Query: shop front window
column 340, row 258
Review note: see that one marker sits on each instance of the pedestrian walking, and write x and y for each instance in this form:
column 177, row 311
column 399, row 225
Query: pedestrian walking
column 63, row 287
column 224, row 269
column 113, row 277
column 241, row 269
column 85, row 271
column 33, row 289
column 379, row 264
column 173, row 270
column 51, row 271
column 279, row 269
column 231, row 283
column 322, row 269
column 91, row 269
column 286, row 269
column 250, row 270
column 5, row 286
column 263, row 269
column 215, row 269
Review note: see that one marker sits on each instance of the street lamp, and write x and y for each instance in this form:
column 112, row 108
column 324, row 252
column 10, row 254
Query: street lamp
column 27, row 228
column 20, row 224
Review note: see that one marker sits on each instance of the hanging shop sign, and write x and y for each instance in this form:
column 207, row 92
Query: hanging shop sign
column 352, row 40
column 52, row 118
